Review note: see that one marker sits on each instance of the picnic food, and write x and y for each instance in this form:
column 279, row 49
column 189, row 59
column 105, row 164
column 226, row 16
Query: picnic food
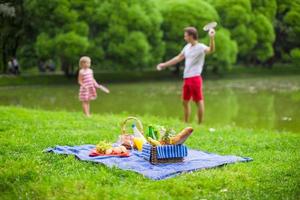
column 120, row 151
column 153, row 142
column 138, row 143
column 116, row 150
column 182, row 136
column 138, row 139
column 127, row 146
column 102, row 146
column 151, row 133
column 159, row 131
column 123, row 149
column 106, row 148
column 126, row 140
column 166, row 138
column 138, row 134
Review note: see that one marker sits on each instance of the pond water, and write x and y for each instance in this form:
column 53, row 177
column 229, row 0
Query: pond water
column 258, row 103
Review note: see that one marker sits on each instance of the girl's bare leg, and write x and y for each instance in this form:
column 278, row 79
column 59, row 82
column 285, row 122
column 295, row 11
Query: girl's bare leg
column 86, row 108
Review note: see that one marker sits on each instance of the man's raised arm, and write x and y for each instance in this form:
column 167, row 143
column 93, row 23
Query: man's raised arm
column 171, row 62
column 211, row 47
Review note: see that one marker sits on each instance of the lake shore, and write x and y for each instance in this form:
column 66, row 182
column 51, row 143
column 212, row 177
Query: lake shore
column 270, row 102
column 35, row 78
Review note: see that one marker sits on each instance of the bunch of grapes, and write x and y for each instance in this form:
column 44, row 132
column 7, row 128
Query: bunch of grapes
column 102, row 146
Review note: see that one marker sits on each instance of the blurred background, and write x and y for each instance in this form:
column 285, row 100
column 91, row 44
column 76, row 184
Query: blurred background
column 252, row 80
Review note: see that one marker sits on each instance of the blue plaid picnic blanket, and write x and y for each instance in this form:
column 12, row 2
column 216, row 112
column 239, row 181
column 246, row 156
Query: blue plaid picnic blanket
column 166, row 151
column 195, row 160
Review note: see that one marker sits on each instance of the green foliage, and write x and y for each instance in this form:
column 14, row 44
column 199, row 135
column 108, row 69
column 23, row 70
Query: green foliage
column 130, row 33
column 11, row 30
column 70, row 45
column 266, row 7
column 135, row 49
column 179, row 14
column 226, row 50
column 295, row 55
column 250, row 25
column 117, row 34
column 287, row 28
column 246, row 38
column 44, row 46
column 236, row 15
column 59, row 35
column 263, row 50
column 292, row 21
column 135, row 34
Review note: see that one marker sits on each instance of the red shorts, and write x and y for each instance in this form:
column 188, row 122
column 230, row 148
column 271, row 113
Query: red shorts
column 192, row 88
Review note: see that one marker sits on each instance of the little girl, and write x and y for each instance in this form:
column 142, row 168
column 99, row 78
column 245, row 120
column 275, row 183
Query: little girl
column 87, row 84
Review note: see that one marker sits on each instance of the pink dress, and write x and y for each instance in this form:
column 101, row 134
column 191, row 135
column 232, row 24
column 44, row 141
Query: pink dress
column 87, row 92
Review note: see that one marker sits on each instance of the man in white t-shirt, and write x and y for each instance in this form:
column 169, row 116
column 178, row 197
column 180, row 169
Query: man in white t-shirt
column 194, row 55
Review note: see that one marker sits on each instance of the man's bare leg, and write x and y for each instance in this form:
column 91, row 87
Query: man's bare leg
column 200, row 110
column 187, row 110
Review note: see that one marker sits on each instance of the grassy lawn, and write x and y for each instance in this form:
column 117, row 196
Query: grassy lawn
column 28, row 173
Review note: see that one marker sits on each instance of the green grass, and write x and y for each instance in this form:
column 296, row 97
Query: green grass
column 28, row 173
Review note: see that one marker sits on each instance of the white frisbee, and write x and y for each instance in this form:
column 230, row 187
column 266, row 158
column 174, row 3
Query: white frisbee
column 209, row 26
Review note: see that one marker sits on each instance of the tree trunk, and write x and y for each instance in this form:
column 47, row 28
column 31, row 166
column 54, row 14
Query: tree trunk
column 66, row 67
column 4, row 59
column 177, row 69
column 215, row 70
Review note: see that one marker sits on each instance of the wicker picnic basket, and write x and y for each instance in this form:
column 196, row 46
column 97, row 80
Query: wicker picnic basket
column 138, row 122
column 154, row 160
column 153, row 154
column 126, row 137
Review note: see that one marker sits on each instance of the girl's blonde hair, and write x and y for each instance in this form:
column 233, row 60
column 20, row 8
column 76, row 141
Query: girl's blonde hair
column 84, row 59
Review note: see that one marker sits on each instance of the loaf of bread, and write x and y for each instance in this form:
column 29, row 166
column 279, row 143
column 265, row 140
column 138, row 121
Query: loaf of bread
column 181, row 137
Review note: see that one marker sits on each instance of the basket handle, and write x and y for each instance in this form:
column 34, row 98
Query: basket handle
column 139, row 125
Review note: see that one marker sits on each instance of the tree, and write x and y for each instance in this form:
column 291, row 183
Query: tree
column 263, row 50
column 266, row 7
column 127, row 32
column 226, row 51
column 252, row 30
column 287, row 28
column 11, row 30
column 180, row 14
column 264, row 18
column 236, row 15
column 295, row 55
column 61, row 35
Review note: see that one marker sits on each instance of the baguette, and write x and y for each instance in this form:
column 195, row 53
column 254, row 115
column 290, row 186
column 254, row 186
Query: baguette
column 181, row 137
